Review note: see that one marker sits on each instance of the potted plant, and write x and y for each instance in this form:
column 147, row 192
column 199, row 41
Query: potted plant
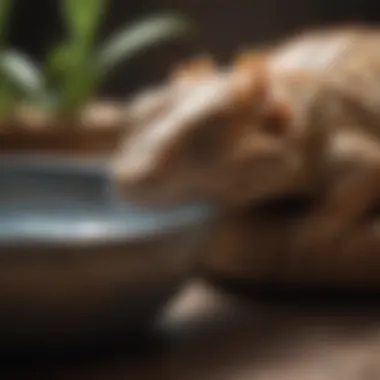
column 79, row 262
column 53, row 108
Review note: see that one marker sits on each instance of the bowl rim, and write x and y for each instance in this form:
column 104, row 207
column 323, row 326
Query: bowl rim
column 198, row 212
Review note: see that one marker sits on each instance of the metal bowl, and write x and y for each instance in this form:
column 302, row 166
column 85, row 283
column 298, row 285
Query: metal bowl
column 77, row 262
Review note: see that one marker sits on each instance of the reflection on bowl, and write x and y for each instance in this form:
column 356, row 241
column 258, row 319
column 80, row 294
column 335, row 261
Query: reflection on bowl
column 78, row 262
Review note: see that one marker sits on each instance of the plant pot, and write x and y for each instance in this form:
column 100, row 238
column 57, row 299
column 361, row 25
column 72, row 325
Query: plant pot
column 96, row 131
column 78, row 264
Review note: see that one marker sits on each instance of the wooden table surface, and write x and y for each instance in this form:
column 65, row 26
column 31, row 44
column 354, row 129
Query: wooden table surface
column 209, row 334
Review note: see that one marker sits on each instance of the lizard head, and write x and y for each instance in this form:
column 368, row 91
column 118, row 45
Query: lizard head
column 215, row 137
column 150, row 103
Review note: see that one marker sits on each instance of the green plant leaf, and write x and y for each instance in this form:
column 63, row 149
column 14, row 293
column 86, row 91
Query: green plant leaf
column 78, row 89
column 71, row 72
column 5, row 11
column 70, row 65
column 138, row 36
column 83, row 18
column 7, row 98
column 60, row 60
column 23, row 72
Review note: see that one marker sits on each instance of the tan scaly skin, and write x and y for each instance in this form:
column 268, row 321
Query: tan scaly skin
column 301, row 117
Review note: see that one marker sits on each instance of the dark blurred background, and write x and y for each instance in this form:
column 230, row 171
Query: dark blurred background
column 224, row 27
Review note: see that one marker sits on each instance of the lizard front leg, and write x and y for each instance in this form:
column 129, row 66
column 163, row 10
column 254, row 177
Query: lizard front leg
column 351, row 194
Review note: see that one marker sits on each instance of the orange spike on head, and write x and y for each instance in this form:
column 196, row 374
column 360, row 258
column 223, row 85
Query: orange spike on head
column 251, row 79
column 253, row 93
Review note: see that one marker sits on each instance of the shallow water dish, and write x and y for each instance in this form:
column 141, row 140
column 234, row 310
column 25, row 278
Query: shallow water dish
column 77, row 261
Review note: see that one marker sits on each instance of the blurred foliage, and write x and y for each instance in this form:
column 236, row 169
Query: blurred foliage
column 76, row 67
column 6, row 89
